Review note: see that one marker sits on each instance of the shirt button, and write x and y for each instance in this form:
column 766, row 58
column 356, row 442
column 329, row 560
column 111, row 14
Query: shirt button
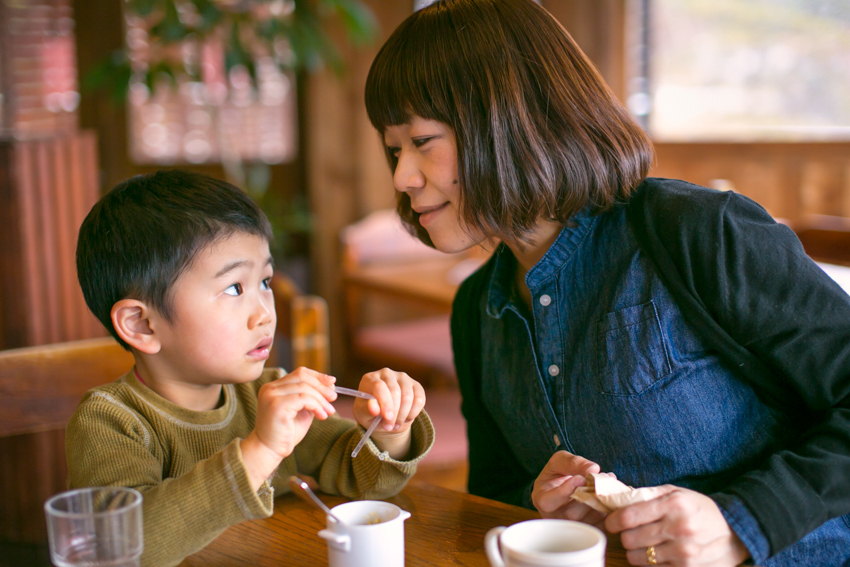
column 545, row 300
column 556, row 440
column 554, row 370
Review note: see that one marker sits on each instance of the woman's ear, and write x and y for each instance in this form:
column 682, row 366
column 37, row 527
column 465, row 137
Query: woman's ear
column 131, row 319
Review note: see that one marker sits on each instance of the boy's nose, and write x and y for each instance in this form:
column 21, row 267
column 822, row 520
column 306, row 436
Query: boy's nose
column 262, row 315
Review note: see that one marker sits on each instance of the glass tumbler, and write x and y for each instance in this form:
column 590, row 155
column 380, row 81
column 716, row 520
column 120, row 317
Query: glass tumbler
column 95, row 527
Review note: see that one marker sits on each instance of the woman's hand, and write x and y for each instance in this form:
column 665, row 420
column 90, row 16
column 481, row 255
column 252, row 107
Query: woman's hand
column 684, row 527
column 398, row 399
column 556, row 483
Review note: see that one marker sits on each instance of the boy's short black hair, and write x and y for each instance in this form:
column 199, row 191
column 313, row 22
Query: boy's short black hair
column 539, row 134
column 139, row 238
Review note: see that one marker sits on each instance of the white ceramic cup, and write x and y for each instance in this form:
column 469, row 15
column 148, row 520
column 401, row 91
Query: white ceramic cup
column 372, row 534
column 546, row 543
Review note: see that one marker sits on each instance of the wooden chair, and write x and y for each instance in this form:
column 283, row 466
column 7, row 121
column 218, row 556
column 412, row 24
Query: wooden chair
column 301, row 338
column 39, row 389
column 41, row 386
column 390, row 323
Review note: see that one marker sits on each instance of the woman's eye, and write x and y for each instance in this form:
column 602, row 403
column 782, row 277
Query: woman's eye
column 394, row 151
column 266, row 284
column 419, row 142
column 235, row 289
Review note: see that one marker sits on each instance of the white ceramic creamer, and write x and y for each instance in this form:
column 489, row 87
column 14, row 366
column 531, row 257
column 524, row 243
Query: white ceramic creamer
column 372, row 534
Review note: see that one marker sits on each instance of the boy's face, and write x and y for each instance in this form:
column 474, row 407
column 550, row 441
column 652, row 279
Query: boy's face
column 224, row 317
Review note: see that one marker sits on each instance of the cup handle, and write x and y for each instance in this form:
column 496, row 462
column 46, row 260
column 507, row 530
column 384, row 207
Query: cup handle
column 338, row 541
column 491, row 546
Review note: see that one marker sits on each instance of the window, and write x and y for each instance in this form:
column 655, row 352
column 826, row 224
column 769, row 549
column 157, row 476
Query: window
column 741, row 70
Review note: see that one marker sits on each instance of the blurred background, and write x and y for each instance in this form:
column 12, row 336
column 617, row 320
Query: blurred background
column 744, row 95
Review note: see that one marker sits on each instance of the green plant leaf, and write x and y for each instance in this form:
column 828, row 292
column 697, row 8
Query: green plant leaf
column 112, row 74
column 303, row 28
column 359, row 21
column 169, row 29
column 210, row 14
column 142, row 7
column 235, row 53
column 311, row 44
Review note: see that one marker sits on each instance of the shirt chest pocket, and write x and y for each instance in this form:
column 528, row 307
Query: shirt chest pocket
column 631, row 354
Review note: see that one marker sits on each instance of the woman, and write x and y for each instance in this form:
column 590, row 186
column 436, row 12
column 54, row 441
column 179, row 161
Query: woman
column 663, row 332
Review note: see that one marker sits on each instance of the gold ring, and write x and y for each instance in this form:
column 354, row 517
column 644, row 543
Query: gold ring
column 650, row 555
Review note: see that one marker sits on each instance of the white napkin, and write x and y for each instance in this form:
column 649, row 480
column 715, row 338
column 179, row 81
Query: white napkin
column 606, row 494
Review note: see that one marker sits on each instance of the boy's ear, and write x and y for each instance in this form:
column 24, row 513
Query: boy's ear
column 132, row 321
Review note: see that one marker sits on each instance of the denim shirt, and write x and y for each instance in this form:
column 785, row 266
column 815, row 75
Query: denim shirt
column 605, row 366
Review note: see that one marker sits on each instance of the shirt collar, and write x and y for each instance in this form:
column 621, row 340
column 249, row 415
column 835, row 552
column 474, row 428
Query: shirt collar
column 502, row 293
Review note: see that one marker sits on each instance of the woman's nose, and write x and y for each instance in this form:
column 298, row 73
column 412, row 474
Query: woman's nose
column 407, row 174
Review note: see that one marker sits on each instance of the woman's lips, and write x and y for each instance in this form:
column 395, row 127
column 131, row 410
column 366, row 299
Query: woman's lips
column 427, row 218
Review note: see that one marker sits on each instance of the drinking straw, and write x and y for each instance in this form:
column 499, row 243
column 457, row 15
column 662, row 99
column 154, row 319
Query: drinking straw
column 372, row 426
column 354, row 393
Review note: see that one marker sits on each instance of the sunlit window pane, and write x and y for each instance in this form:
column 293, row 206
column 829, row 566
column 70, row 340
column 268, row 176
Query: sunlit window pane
column 749, row 69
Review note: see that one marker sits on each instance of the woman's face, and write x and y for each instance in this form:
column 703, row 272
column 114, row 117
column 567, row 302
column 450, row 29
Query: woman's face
column 427, row 171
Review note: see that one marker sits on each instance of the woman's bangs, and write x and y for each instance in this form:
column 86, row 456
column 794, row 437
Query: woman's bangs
column 404, row 81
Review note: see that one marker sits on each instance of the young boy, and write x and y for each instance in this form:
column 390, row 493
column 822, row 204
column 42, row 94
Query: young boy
column 177, row 267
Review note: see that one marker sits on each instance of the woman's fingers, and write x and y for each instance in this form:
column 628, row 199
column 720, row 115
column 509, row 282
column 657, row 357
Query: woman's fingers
column 554, row 493
column 641, row 513
column 682, row 526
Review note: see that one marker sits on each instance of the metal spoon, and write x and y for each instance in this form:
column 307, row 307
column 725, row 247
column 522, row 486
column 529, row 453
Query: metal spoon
column 302, row 489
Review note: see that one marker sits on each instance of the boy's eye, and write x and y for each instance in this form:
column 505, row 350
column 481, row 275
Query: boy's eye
column 235, row 289
column 266, row 284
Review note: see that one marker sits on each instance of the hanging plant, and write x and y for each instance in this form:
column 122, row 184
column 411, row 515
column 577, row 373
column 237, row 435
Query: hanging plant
column 291, row 32
column 213, row 58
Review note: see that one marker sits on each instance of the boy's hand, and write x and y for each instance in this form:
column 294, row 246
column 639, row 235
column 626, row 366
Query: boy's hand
column 285, row 410
column 399, row 399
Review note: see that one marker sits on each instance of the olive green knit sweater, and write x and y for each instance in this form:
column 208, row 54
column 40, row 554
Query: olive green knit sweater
column 189, row 467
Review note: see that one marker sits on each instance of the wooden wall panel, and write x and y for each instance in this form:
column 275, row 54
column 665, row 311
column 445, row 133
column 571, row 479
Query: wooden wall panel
column 47, row 186
column 790, row 180
column 47, row 193
column 347, row 175
column 598, row 26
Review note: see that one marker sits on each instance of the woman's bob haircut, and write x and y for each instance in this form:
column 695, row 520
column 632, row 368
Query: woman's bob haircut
column 539, row 134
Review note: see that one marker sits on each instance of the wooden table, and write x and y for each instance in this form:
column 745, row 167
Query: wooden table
column 445, row 528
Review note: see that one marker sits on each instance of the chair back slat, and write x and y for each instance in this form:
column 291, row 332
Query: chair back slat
column 41, row 386
column 302, row 321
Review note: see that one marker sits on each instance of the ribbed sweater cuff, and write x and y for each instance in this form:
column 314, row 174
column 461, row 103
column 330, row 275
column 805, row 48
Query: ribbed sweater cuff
column 252, row 504
column 422, row 437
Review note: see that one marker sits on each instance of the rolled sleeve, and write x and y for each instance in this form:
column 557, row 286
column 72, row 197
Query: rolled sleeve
column 745, row 526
